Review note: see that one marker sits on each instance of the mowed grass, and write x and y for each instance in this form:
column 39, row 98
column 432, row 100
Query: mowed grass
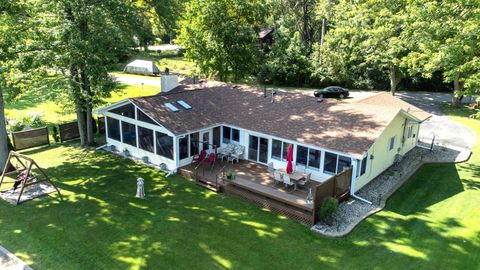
column 53, row 112
column 432, row 222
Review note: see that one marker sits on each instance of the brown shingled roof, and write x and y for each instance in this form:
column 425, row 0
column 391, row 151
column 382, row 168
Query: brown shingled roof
column 349, row 127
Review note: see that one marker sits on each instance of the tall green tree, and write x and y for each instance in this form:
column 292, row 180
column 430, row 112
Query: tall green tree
column 220, row 36
column 14, row 26
column 287, row 61
column 447, row 39
column 367, row 35
column 82, row 39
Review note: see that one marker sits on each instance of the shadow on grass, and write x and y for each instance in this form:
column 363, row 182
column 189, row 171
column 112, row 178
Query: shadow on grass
column 430, row 185
column 101, row 225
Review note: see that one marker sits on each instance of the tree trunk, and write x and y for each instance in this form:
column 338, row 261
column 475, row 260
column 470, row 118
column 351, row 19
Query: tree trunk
column 81, row 120
column 79, row 106
column 322, row 38
column 457, row 91
column 88, row 108
column 305, row 27
column 394, row 79
column 3, row 133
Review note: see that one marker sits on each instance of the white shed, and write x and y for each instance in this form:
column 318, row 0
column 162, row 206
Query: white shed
column 143, row 67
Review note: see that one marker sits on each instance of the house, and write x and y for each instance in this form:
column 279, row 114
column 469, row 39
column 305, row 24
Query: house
column 265, row 38
column 173, row 126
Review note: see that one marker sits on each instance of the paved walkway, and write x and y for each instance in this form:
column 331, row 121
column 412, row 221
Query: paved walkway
column 446, row 131
column 8, row 261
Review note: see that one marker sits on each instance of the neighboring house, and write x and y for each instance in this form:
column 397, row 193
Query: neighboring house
column 265, row 38
column 173, row 126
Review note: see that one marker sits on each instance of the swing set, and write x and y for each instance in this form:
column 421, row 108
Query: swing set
column 23, row 167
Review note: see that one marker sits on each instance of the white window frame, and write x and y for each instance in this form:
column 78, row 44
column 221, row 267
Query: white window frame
column 281, row 149
column 230, row 139
column 308, row 157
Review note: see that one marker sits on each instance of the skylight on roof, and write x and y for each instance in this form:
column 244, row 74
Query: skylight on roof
column 184, row 104
column 171, row 107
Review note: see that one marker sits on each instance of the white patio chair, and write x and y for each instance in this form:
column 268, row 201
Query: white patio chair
column 304, row 181
column 288, row 182
column 277, row 177
column 300, row 168
column 236, row 155
column 270, row 168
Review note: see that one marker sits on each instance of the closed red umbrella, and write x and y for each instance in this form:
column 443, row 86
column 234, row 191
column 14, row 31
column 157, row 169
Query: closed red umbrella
column 289, row 159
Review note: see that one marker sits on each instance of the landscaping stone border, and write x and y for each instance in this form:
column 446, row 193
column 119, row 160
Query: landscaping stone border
column 380, row 189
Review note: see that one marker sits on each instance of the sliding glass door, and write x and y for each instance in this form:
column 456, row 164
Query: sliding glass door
column 258, row 149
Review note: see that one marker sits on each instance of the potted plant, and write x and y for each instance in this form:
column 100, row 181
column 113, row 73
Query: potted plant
column 229, row 175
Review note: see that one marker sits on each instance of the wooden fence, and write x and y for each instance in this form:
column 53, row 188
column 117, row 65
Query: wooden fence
column 68, row 131
column 101, row 125
column 30, row 138
column 337, row 186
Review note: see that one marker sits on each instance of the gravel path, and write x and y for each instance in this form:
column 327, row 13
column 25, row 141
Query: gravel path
column 8, row 261
column 353, row 211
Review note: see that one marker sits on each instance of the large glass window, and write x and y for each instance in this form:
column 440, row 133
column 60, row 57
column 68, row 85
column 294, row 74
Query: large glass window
column 302, row 155
column 144, row 118
column 125, row 110
column 314, row 157
column 226, row 134
column 194, row 144
column 183, row 147
column 216, row 136
column 285, row 151
column 276, row 149
column 113, row 128
column 165, row 145
column 330, row 163
column 308, row 157
column 145, row 138
column 129, row 134
column 230, row 134
column 235, row 135
column 343, row 162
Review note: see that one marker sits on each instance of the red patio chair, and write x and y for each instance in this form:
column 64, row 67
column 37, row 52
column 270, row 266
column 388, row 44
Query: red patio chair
column 201, row 157
column 210, row 160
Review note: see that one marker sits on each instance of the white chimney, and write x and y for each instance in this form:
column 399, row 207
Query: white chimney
column 168, row 82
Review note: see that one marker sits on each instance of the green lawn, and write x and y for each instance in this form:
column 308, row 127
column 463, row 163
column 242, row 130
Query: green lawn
column 53, row 112
column 432, row 222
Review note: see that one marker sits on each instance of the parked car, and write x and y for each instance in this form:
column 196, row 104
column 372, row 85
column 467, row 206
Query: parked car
column 332, row 92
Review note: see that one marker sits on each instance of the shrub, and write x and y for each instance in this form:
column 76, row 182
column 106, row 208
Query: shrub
column 34, row 120
column 327, row 210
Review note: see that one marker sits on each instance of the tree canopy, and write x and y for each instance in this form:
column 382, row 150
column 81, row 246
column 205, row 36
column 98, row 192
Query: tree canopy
column 220, row 36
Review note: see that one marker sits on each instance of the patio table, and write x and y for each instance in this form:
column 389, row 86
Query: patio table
column 294, row 176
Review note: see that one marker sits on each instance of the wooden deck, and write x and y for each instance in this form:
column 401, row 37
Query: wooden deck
column 254, row 183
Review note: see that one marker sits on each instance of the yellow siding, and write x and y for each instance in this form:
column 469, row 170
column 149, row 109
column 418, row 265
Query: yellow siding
column 383, row 158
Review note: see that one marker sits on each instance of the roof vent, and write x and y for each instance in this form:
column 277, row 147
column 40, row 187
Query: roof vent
column 184, row 104
column 171, row 107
